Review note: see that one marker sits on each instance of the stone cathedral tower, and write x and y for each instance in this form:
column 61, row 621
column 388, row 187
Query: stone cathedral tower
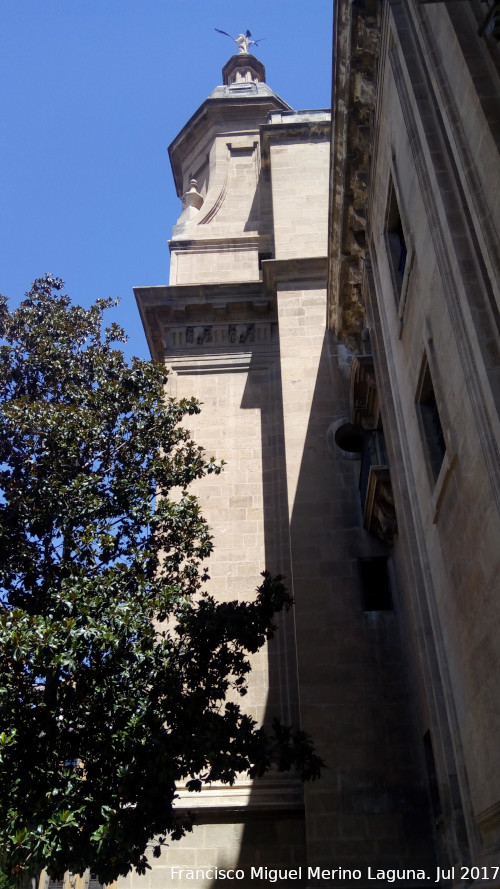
column 241, row 326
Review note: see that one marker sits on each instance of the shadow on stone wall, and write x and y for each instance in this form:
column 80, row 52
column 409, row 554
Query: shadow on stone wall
column 370, row 807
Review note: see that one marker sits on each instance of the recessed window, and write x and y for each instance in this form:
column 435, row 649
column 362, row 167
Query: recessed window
column 375, row 586
column 397, row 248
column 431, row 423
column 432, row 776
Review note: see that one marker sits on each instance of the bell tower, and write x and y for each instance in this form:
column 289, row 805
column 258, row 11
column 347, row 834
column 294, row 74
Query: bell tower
column 241, row 325
column 216, row 328
column 216, row 161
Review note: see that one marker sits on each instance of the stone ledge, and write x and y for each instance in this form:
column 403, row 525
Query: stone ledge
column 191, row 304
column 245, row 797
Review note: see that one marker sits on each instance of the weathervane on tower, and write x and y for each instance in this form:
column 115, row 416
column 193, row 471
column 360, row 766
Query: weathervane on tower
column 243, row 41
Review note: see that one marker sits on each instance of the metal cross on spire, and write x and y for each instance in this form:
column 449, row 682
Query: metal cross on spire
column 243, row 41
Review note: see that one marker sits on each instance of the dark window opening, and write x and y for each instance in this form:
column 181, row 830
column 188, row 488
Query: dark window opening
column 396, row 243
column 430, row 762
column 431, row 424
column 375, row 586
column 403, row 252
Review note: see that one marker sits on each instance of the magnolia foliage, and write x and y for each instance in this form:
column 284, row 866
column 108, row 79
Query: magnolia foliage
column 115, row 665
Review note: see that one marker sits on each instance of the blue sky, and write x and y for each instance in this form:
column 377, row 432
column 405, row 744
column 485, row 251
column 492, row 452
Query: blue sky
column 92, row 93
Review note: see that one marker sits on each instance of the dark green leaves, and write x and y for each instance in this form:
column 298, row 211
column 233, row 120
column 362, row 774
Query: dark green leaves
column 115, row 668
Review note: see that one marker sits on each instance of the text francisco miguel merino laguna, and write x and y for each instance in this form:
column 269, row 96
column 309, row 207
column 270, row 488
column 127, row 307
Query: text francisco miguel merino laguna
column 273, row 875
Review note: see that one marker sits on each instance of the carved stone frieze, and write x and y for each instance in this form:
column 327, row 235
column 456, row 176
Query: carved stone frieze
column 218, row 336
column 242, row 333
column 191, row 316
column 199, row 335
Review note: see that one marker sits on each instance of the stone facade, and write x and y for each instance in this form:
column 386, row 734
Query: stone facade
column 242, row 326
column 336, row 312
column 422, row 260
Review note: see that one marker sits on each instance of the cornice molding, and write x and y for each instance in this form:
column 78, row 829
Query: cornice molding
column 188, row 305
column 219, row 305
column 315, row 126
column 297, row 271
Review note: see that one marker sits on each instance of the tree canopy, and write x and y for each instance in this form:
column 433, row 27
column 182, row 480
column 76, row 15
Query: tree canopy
column 115, row 664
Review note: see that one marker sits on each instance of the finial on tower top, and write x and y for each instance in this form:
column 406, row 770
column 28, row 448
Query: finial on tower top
column 243, row 41
column 243, row 68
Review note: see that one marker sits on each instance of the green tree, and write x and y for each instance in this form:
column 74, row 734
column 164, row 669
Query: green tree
column 115, row 665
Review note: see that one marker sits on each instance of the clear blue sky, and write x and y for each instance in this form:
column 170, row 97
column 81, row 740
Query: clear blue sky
column 92, row 93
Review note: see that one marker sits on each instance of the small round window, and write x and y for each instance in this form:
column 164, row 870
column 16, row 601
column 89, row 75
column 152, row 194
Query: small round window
column 349, row 438
column 345, row 437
